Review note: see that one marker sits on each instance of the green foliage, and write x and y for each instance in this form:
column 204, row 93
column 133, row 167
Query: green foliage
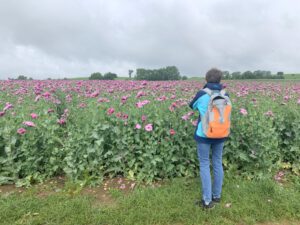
column 92, row 145
column 130, row 73
column 21, row 77
column 184, row 78
column 96, row 76
column 258, row 74
column 99, row 76
column 168, row 73
column 110, row 76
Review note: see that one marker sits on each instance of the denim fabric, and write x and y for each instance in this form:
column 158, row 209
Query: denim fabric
column 209, row 189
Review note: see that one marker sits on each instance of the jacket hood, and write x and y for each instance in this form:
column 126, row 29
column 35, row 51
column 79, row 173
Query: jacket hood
column 214, row 86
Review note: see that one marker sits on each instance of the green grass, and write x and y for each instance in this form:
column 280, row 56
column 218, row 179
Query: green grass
column 173, row 203
column 292, row 76
column 78, row 78
column 286, row 77
column 197, row 78
column 86, row 78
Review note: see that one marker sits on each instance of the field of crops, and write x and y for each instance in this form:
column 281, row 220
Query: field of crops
column 88, row 130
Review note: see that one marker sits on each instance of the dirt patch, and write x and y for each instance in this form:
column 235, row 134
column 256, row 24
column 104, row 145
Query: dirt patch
column 107, row 193
column 10, row 189
column 111, row 189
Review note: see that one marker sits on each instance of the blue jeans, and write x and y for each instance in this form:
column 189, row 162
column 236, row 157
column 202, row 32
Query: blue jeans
column 209, row 190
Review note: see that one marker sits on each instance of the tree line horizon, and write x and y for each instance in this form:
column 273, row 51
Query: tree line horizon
column 172, row 73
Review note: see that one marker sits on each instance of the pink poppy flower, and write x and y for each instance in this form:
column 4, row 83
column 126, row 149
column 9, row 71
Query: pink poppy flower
column 61, row 121
column 69, row 98
column 103, row 100
column 139, row 104
column 171, row 108
column 185, row 117
column 298, row 101
column 21, row 131
column 33, row 115
column 124, row 99
column 95, row 94
column 119, row 114
column 50, row 110
column 190, row 113
column 144, row 118
column 269, row 113
column 138, row 126
column 149, row 127
column 46, row 94
column 287, row 97
column 172, row 132
column 142, row 103
column 82, row 105
column 29, row 124
column 7, row 106
column 163, row 98
column 243, row 111
column 110, row 111
column 194, row 122
column 37, row 98
column 140, row 94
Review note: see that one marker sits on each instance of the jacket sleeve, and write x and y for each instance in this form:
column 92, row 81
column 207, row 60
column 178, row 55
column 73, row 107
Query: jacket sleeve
column 197, row 96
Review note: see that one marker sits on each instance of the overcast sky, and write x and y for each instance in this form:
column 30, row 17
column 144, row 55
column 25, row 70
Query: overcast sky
column 69, row 38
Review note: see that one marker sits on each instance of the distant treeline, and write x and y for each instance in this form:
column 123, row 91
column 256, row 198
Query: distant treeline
column 258, row 74
column 106, row 76
column 21, row 77
column 167, row 73
column 172, row 73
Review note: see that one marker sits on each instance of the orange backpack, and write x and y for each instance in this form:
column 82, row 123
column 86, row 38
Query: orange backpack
column 216, row 121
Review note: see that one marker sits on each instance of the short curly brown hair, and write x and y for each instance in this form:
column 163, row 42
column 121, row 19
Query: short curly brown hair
column 214, row 75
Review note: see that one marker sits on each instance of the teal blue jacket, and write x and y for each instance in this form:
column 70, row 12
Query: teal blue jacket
column 200, row 103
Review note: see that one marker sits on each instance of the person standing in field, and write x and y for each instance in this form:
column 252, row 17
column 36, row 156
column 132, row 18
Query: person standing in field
column 213, row 128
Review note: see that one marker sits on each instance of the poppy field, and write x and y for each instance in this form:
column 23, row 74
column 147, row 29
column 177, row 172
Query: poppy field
column 89, row 130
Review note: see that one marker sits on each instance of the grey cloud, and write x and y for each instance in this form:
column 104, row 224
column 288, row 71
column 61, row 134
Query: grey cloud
column 55, row 38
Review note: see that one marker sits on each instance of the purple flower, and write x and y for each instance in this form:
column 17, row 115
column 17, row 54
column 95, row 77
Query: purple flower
column 194, row 122
column 21, row 131
column 144, row 118
column 50, row 110
column 269, row 113
column 149, row 127
column 142, row 103
column 61, row 121
column 33, row 115
column 29, row 124
column 110, row 111
column 7, row 106
column 243, row 111
column 185, row 117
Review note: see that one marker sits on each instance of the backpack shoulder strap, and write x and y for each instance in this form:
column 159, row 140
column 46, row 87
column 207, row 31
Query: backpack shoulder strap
column 208, row 91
